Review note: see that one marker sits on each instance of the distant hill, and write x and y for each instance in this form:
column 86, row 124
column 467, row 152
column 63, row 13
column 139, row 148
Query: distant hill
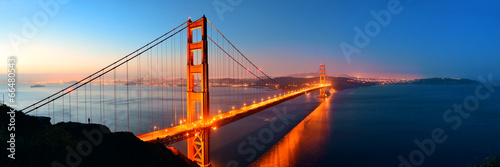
column 441, row 81
column 312, row 75
column 338, row 83
column 302, row 75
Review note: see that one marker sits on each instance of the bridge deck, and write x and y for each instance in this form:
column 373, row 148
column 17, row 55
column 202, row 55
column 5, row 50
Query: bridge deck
column 182, row 132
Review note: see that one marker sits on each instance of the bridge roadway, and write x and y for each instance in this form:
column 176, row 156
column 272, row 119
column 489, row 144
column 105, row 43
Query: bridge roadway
column 181, row 132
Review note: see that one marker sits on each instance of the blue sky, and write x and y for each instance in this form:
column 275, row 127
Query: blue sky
column 426, row 39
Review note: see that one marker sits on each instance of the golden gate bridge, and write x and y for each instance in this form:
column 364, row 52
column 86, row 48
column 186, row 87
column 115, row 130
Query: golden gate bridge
column 166, row 88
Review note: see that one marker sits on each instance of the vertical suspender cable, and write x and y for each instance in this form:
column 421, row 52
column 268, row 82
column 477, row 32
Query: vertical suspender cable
column 77, row 105
column 69, row 96
column 128, row 116
column 114, row 93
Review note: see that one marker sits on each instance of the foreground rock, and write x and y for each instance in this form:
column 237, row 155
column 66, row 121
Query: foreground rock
column 39, row 143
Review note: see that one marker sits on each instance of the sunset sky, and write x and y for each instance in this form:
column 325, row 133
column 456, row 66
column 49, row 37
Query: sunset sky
column 424, row 38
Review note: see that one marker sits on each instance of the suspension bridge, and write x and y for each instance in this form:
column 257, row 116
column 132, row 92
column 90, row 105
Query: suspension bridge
column 154, row 94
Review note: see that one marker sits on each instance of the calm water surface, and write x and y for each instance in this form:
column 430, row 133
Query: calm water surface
column 373, row 126
column 358, row 127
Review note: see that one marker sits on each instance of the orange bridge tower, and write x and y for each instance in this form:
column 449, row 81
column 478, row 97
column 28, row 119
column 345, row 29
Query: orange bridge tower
column 198, row 102
column 322, row 80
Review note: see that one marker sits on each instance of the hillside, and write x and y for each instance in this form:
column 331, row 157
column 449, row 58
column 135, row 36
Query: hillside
column 39, row 143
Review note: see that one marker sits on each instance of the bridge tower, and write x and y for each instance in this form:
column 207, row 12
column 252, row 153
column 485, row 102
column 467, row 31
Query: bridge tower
column 199, row 145
column 322, row 80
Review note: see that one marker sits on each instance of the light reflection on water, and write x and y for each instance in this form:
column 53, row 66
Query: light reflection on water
column 373, row 126
column 307, row 139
